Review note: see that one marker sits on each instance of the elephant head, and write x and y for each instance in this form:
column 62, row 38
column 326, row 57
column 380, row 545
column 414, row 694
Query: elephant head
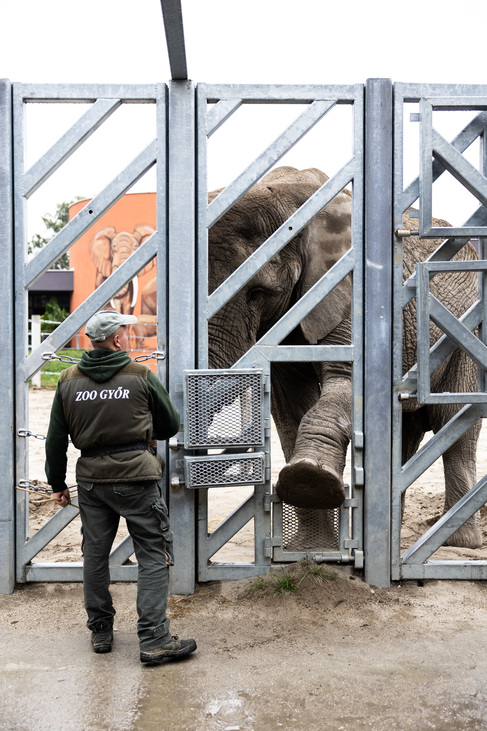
column 289, row 274
column 302, row 394
column 109, row 250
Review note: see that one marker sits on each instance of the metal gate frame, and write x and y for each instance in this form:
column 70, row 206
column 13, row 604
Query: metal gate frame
column 319, row 100
column 104, row 100
column 438, row 155
column 179, row 261
column 180, row 265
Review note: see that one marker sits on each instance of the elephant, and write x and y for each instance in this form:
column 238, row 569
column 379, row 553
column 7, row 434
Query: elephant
column 311, row 402
column 109, row 250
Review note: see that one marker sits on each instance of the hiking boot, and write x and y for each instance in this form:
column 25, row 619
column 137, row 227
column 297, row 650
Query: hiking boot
column 102, row 637
column 172, row 650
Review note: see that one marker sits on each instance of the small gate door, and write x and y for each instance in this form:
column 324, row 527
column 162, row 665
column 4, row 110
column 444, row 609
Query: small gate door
column 295, row 111
column 86, row 109
column 450, row 127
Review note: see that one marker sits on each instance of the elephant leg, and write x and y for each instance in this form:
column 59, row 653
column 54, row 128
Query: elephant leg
column 295, row 389
column 313, row 477
column 459, row 461
column 459, row 464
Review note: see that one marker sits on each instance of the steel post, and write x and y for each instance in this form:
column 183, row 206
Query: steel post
column 7, row 351
column 182, row 313
column 378, row 330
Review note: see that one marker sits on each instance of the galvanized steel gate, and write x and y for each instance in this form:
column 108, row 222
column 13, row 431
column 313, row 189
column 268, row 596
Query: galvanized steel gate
column 424, row 106
column 183, row 310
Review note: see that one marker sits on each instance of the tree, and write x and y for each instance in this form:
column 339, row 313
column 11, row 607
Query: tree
column 53, row 223
column 54, row 314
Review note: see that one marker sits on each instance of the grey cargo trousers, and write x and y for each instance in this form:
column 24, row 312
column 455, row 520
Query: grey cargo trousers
column 145, row 512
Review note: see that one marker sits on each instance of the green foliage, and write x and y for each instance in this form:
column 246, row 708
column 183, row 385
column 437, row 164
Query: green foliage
column 53, row 223
column 283, row 581
column 54, row 313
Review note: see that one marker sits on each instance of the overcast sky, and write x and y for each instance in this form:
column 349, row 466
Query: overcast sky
column 250, row 41
column 230, row 41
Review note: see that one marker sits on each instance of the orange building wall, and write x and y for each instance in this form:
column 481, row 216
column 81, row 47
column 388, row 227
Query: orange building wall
column 131, row 211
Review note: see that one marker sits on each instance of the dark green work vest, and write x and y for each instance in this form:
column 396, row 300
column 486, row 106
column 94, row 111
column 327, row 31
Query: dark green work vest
column 111, row 423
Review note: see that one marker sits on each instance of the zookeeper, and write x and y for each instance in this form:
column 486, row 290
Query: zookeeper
column 112, row 408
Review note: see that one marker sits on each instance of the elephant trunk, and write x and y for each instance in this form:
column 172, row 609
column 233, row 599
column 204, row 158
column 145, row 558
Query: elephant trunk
column 223, row 348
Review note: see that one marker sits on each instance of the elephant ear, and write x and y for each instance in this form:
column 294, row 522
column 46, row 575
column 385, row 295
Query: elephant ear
column 324, row 241
column 100, row 249
column 142, row 232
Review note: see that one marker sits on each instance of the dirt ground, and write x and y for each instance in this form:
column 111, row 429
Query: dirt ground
column 336, row 654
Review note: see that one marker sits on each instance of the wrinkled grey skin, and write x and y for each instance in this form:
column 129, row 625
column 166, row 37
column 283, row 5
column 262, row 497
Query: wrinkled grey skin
column 311, row 403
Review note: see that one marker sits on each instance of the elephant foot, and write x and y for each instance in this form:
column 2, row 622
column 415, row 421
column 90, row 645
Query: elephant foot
column 467, row 536
column 305, row 484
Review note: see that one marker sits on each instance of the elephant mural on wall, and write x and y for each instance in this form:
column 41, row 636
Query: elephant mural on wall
column 109, row 250
column 147, row 321
column 311, row 402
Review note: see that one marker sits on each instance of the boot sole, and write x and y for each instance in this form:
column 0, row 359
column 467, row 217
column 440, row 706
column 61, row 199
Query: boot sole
column 166, row 655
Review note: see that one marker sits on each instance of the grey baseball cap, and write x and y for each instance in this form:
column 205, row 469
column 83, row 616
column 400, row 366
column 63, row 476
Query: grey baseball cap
column 105, row 322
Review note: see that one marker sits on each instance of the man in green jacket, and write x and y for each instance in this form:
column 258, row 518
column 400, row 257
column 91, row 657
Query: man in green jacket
column 113, row 409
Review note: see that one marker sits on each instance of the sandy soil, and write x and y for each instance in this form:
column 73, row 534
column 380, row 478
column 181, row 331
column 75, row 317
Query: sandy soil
column 335, row 654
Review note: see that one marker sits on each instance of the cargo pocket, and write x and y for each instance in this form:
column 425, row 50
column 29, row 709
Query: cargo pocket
column 167, row 535
column 134, row 498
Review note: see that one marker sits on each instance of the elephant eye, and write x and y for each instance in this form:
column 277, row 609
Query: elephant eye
column 254, row 294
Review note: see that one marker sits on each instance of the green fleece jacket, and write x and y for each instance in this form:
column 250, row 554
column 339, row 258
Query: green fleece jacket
column 104, row 401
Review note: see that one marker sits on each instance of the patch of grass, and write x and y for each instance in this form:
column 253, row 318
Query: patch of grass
column 260, row 585
column 317, row 573
column 285, row 580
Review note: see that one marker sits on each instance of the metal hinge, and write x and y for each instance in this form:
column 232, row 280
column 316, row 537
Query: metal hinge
column 358, row 439
column 269, row 544
column 270, row 498
column 359, row 476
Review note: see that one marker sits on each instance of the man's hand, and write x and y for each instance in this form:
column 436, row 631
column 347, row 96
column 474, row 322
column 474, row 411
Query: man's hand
column 62, row 498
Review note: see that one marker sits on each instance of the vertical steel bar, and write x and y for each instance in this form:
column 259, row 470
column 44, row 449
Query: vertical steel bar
column 202, row 229
column 182, row 308
column 357, row 453
column 378, row 330
column 162, row 265
column 426, row 167
column 482, row 280
column 21, row 326
column 400, row 203
column 7, row 444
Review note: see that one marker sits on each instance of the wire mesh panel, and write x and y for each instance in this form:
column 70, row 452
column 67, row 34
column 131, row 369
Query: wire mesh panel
column 225, row 470
column 317, row 530
column 223, row 408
